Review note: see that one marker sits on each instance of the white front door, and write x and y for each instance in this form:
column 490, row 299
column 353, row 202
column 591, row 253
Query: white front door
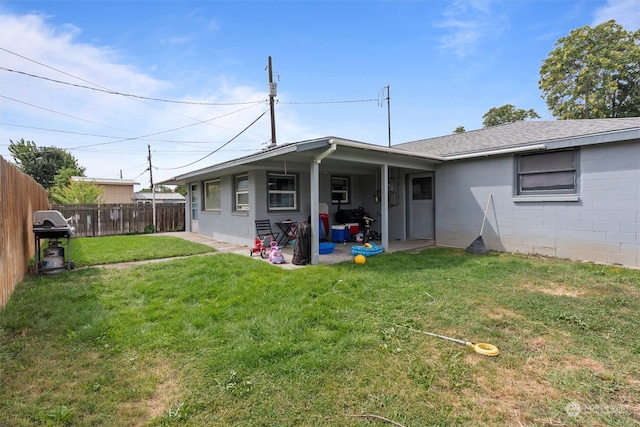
column 421, row 212
column 194, row 195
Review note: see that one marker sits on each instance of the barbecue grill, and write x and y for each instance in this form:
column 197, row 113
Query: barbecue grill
column 53, row 226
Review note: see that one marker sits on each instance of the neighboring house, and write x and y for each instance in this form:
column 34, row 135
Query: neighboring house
column 115, row 190
column 142, row 198
column 568, row 189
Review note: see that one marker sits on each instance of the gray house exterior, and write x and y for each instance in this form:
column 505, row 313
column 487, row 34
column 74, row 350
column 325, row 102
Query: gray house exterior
column 568, row 189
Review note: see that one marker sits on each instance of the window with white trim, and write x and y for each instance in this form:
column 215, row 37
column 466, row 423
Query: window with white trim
column 340, row 190
column 194, row 201
column 241, row 191
column 212, row 195
column 554, row 172
column 282, row 192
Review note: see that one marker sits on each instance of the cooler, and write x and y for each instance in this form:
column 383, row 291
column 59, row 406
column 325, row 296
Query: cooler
column 339, row 233
column 354, row 227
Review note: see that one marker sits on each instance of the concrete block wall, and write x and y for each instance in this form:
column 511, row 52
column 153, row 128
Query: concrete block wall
column 601, row 225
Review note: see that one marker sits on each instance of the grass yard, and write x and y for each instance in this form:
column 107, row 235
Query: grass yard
column 88, row 251
column 227, row 341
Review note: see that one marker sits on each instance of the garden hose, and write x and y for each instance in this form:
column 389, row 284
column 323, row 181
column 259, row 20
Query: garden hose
column 481, row 348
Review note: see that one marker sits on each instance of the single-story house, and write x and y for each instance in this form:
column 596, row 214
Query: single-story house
column 145, row 198
column 116, row 191
column 568, row 189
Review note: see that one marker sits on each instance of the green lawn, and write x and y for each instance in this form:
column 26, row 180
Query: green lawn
column 89, row 251
column 227, row 341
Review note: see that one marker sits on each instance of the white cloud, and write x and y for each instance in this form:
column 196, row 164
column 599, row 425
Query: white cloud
column 35, row 46
column 624, row 12
column 467, row 24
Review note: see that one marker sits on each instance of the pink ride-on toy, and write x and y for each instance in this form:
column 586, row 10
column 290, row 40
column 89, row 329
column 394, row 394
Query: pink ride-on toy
column 275, row 255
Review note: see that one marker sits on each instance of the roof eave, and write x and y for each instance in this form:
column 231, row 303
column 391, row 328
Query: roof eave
column 298, row 147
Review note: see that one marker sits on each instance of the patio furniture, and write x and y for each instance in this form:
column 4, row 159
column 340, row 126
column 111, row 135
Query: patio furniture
column 289, row 230
column 263, row 229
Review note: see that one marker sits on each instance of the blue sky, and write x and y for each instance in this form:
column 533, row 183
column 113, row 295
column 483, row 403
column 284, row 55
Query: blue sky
column 446, row 63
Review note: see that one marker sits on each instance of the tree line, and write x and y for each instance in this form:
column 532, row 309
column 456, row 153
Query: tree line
column 54, row 168
column 592, row 73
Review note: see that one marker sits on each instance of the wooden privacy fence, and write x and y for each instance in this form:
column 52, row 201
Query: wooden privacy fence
column 20, row 196
column 111, row 219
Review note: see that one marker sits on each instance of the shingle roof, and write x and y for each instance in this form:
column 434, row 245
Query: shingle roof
column 517, row 134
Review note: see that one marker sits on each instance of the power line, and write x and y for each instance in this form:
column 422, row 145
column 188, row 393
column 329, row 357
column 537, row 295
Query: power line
column 120, row 139
column 328, row 102
column 68, row 132
column 50, row 67
column 159, row 99
column 217, row 149
column 129, row 95
column 58, row 112
column 58, row 130
column 91, row 83
column 140, row 174
column 164, row 131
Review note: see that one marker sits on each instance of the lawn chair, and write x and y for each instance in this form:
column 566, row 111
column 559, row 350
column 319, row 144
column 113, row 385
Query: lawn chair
column 263, row 229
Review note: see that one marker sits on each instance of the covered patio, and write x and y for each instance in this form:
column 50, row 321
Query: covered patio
column 290, row 183
column 342, row 251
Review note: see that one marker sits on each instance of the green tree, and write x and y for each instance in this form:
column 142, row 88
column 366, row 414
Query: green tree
column 593, row 73
column 459, row 129
column 507, row 114
column 77, row 193
column 43, row 163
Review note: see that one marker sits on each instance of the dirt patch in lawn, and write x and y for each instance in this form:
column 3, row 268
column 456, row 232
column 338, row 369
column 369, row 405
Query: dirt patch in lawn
column 509, row 393
column 502, row 313
column 164, row 395
column 167, row 395
column 555, row 289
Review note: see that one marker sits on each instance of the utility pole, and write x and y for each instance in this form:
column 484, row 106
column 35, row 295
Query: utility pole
column 389, row 114
column 273, row 92
column 153, row 191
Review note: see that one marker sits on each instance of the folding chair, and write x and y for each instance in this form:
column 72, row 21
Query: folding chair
column 263, row 228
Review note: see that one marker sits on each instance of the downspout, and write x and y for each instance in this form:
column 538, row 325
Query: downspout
column 327, row 152
column 315, row 200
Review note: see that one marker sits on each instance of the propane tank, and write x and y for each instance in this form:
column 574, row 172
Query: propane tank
column 53, row 261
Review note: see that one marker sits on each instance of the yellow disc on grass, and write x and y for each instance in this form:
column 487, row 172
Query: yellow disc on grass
column 360, row 259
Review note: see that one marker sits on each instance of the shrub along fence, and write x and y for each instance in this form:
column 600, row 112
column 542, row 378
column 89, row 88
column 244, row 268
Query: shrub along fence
column 110, row 219
column 20, row 196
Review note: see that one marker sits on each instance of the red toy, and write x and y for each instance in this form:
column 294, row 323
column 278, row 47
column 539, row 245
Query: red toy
column 261, row 246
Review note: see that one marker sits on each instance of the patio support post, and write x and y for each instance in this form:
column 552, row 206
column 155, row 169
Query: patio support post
column 315, row 211
column 315, row 201
column 384, row 206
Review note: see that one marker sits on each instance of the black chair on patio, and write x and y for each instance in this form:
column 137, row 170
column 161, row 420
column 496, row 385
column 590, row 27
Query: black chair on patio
column 263, row 228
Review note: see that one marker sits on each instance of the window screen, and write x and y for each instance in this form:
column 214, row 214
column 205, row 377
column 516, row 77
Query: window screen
column 212, row 195
column 548, row 173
